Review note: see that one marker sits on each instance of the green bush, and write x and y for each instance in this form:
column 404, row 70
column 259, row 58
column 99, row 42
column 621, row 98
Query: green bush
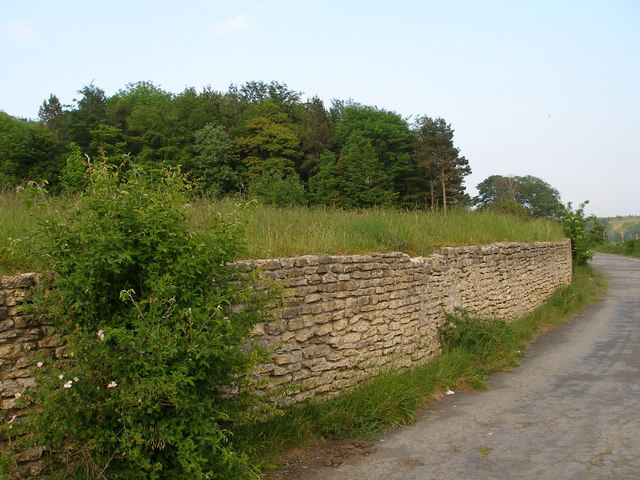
column 278, row 190
column 575, row 226
column 157, row 371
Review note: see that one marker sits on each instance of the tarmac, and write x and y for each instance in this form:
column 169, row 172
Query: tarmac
column 571, row 410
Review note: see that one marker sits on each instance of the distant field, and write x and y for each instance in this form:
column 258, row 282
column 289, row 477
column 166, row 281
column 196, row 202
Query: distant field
column 620, row 229
column 275, row 232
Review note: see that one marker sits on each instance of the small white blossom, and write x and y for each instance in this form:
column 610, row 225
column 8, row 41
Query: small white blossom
column 68, row 384
column 39, row 364
column 101, row 334
column 17, row 395
column 75, row 379
column 112, row 384
column 61, row 376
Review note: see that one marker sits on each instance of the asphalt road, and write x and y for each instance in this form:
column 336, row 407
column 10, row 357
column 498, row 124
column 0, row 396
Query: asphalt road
column 570, row 411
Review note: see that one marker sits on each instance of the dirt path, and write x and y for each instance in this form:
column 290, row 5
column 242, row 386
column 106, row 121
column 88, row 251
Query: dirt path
column 570, row 411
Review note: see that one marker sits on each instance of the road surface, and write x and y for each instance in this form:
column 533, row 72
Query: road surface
column 570, row 411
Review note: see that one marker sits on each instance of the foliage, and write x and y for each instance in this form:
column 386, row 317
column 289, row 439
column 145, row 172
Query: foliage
column 213, row 165
column 508, row 207
column 273, row 188
column 440, row 162
column 155, row 320
column 364, row 181
column 538, row 197
column 28, row 152
column 75, row 174
column 574, row 224
column 271, row 129
column 323, row 187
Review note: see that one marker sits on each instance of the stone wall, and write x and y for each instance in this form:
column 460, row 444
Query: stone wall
column 344, row 318
column 20, row 336
column 348, row 316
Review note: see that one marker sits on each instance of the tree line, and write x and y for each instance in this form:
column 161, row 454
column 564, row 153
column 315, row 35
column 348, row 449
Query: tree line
column 261, row 139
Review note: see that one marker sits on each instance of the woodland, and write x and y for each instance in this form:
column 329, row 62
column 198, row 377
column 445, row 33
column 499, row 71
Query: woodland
column 261, row 139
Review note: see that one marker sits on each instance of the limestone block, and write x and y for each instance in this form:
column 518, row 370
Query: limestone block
column 14, row 297
column 304, row 334
column 12, row 351
column 22, row 281
column 5, row 324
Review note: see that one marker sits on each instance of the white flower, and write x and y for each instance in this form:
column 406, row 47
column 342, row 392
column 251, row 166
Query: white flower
column 68, row 384
column 39, row 364
column 101, row 334
column 112, row 384
column 17, row 395
column 61, row 376
column 75, row 379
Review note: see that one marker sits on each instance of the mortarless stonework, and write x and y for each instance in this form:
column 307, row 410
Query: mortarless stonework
column 347, row 317
column 344, row 317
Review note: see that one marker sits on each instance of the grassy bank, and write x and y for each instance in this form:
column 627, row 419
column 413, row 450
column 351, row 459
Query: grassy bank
column 392, row 398
column 283, row 232
column 630, row 248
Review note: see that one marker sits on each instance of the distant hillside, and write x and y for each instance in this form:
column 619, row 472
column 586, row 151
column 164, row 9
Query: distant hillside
column 621, row 228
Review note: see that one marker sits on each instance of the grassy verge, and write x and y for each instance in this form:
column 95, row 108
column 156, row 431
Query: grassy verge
column 630, row 248
column 285, row 232
column 392, row 398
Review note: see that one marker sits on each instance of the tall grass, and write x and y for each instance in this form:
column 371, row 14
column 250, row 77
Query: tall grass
column 284, row 232
column 18, row 227
column 392, row 398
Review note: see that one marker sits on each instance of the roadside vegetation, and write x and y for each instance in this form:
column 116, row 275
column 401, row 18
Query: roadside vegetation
column 472, row 348
column 628, row 248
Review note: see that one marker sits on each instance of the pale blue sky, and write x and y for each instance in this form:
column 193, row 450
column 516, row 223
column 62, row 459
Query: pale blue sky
column 536, row 87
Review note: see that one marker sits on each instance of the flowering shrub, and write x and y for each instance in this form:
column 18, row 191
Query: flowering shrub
column 157, row 369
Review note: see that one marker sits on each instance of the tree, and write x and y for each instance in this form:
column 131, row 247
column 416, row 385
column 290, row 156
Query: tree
column 538, row 197
column 28, row 151
column 274, row 188
column 324, row 185
column 387, row 132
column 437, row 156
column 91, row 111
column 213, row 166
column 147, row 117
column 52, row 113
column 75, row 175
column 266, row 141
column 315, row 131
column 363, row 179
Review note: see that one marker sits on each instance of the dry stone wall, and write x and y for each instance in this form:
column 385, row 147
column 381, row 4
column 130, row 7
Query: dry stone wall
column 344, row 318
column 347, row 317
column 20, row 336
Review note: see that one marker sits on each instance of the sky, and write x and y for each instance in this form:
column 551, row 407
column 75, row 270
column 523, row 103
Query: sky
column 531, row 87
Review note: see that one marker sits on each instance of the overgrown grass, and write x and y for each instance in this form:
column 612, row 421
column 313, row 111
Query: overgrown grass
column 18, row 225
column 283, row 232
column 392, row 398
